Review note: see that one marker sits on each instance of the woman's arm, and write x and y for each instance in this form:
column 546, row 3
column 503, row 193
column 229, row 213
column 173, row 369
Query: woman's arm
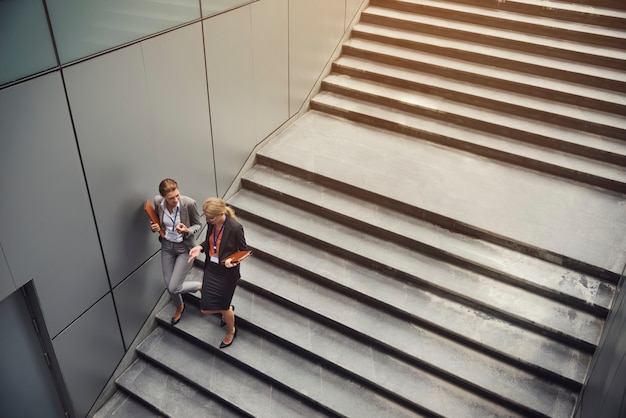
column 202, row 248
column 195, row 219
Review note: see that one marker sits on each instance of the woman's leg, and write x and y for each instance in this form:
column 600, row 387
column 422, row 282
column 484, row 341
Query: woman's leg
column 168, row 260
column 228, row 316
column 180, row 267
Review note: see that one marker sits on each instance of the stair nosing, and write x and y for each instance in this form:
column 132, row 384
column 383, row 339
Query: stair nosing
column 567, row 164
column 487, row 340
column 460, row 289
column 496, row 33
column 562, row 65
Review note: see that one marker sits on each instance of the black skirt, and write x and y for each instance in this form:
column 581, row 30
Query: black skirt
column 218, row 287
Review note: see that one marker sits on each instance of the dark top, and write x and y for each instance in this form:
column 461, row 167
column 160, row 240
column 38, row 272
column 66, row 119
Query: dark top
column 232, row 240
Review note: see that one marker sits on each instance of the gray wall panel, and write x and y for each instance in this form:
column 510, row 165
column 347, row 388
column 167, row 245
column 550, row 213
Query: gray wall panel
column 111, row 109
column 315, row 28
column 179, row 106
column 136, row 296
column 34, row 393
column 7, row 285
column 23, row 27
column 352, row 8
column 228, row 41
column 88, row 352
column 270, row 30
column 47, row 231
column 82, row 28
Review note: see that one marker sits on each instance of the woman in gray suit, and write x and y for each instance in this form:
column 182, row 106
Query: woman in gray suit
column 179, row 219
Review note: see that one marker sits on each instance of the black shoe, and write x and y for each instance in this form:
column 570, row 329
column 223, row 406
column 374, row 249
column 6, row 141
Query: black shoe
column 224, row 345
column 176, row 321
column 222, row 323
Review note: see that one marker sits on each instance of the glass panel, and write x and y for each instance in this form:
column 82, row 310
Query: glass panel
column 86, row 27
column 25, row 44
column 211, row 7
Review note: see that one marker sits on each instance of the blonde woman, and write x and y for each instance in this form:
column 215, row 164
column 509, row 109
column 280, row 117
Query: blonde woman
column 224, row 237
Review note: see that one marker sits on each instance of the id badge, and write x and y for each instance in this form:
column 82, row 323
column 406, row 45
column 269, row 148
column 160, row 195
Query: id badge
column 171, row 236
column 214, row 259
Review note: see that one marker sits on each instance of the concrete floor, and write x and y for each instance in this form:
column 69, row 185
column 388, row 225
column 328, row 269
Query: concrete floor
column 560, row 216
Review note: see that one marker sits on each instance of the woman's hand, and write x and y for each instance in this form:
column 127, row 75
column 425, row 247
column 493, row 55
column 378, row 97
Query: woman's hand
column 155, row 227
column 193, row 253
column 229, row 263
column 182, row 229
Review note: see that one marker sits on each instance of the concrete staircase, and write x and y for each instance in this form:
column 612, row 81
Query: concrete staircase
column 441, row 235
column 543, row 88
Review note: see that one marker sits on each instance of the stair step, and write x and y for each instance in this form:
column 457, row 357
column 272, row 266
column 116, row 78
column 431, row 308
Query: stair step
column 574, row 167
column 373, row 365
column 491, row 110
column 465, row 251
column 590, row 74
column 519, row 127
column 123, row 405
column 609, row 13
column 513, row 387
column 167, row 393
column 204, row 366
column 490, row 36
column 554, row 26
column 501, row 299
column 279, row 372
column 425, row 67
column 448, row 316
column 500, row 203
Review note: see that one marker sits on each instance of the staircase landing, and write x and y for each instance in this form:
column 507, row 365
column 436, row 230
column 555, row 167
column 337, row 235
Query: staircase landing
column 560, row 220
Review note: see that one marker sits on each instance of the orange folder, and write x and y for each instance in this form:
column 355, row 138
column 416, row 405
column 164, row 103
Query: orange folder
column 238, row 256
column 154, row 218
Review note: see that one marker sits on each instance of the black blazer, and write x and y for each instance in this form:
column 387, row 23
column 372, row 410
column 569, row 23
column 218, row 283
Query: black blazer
column 233, row 239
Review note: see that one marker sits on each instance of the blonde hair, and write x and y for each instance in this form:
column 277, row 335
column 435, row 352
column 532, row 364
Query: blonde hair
column 214, row 206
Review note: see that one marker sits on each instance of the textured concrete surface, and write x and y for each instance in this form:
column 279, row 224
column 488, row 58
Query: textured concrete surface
column 560, row 216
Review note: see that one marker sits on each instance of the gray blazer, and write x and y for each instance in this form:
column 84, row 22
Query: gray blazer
column 189, row 215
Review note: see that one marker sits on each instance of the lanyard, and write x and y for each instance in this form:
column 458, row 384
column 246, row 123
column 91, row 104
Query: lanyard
column 174, row 218
column 216, row 236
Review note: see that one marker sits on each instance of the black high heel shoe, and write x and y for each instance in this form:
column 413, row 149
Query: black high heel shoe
column 224, row 345
column 176, row 321
column 222, row 323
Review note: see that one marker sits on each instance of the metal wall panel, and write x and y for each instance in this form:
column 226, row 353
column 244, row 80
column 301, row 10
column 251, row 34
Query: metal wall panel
column 228, row 40
column 109, row 101
column 137, row 296
column 211, row 7
column 270, row 30
column 82, row 28
column 88, row 352
column 25, row 375
column 7, row 285
column 352, row 8
column 315, row 29
column 23, row 27
column 179, row 108
column 48, row 231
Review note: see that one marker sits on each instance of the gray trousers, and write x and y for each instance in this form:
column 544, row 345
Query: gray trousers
column 174, row 256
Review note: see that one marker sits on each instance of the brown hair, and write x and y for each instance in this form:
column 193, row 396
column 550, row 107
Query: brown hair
column 214, row 206
column 166, row 186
